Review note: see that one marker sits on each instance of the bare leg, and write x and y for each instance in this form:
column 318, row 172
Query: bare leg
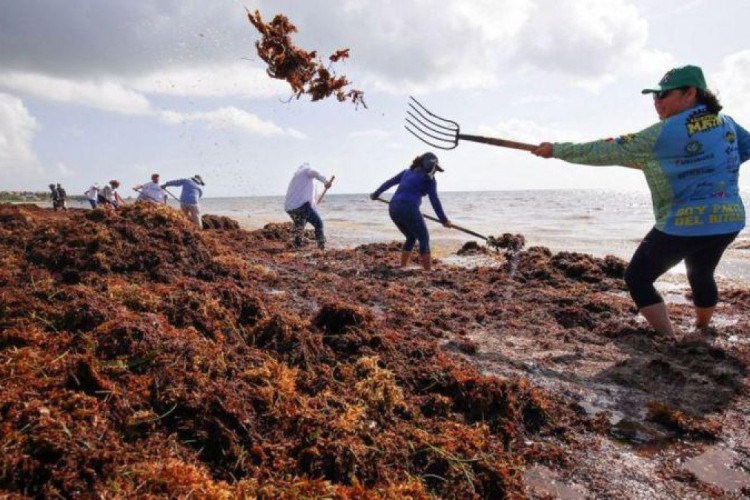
column 405, row 258
column 426, row 261
column 658, row 317
column 703, row 316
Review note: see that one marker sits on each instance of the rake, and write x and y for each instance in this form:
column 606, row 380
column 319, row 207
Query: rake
column 442, row 133
column 453, row 226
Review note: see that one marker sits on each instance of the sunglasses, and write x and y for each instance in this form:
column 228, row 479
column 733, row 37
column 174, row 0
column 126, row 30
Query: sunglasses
column 658, row 96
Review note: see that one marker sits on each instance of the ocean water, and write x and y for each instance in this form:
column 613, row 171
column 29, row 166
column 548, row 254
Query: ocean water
column 590, row 221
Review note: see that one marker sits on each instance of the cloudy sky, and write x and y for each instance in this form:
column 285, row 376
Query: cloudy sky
column 92, row 90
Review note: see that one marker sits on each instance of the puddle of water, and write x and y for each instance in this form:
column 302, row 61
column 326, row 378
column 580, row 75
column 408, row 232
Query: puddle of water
column 541, row 482
column 592, row 410
column 713, row 467
column 472, row 261
column 638, row 433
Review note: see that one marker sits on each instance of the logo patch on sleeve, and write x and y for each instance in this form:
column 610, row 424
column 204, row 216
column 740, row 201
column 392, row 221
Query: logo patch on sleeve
column 625, row 139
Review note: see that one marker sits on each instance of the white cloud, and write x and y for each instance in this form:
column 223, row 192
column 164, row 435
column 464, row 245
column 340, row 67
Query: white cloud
column 17, row 158
column 228, row 118
column 103, row 94
column 241, row 79
column 376, row 134
column 178, row 49
column 64, row 170
column 94, row 37
column 406, row 46
column 528, row 131
column 593, row 42
column 733, row 86
column 413, row 46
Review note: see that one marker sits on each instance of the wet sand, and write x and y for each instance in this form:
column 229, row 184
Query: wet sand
column 142, row 357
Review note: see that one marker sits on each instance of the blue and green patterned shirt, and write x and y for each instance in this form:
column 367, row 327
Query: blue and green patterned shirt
column 691, row 162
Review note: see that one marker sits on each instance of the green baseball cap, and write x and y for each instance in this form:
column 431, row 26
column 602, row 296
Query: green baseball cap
column 684, row 76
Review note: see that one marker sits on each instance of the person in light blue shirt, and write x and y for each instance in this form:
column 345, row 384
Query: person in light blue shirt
column 189, row 197
column 691, row 160
column 413, row 184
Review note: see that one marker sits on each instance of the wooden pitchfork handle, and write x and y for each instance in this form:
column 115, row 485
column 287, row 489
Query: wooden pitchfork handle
column 454, row 226
column 325, row 190
column 170, row 194
column 499, row 142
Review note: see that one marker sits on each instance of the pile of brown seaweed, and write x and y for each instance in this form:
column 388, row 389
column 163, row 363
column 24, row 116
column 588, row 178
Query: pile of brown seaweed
column 304, row 72
column 140, row 356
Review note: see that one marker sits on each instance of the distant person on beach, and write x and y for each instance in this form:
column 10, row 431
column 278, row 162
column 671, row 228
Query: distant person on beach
column 691, row 159
column 92, row 194
column 108, row 195
column 55, row 195
column 300, row 203
column 189, row 197
column 413, row 184
column 62, row 197
column 116, row 198
column 151, row 192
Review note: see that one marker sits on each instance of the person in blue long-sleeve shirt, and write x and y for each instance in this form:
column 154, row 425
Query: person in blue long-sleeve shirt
column 189, row 197
column 413, row 184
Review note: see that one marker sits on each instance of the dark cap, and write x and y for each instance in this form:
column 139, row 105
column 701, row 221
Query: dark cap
column 198, row 179
column 430, row 161
column 675, row 78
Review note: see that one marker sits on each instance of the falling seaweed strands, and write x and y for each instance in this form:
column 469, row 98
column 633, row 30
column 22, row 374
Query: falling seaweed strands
column 302, row 69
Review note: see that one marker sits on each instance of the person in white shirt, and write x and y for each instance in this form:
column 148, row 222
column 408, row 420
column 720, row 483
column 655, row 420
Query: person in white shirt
column 151, row 191
column 108, row 195
column 93, row 194
column 300, row 203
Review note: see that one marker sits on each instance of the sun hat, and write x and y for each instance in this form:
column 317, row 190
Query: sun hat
column 683, row 76
column 199, row 180
column 429, row 160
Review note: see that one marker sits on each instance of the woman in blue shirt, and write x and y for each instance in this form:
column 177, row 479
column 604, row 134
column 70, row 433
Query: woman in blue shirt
column 691, row 159
column 413, row 184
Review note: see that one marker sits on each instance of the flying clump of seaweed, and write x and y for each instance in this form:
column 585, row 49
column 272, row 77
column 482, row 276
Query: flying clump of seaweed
column 304, row 71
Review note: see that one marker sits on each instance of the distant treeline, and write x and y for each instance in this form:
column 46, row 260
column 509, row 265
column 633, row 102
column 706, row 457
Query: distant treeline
column 32, row 196
column 25, row 196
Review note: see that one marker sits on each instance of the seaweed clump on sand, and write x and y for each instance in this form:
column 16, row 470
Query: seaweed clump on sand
column 302, row 69
column 140, row 356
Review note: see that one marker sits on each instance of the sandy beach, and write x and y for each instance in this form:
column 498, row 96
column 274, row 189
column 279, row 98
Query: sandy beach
column 142, row 357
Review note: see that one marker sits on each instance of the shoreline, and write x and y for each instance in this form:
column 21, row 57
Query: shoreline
column 733, row 269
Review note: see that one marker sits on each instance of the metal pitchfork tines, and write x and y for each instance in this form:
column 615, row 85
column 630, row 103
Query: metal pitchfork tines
column 442, row 133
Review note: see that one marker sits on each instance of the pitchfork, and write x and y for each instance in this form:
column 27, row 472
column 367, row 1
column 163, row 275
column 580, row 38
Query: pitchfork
column 442, row 133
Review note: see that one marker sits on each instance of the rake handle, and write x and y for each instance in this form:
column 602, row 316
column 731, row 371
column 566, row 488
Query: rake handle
column 170, row 194
column 454, row 226
column 499, row 142
column 325, row 191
